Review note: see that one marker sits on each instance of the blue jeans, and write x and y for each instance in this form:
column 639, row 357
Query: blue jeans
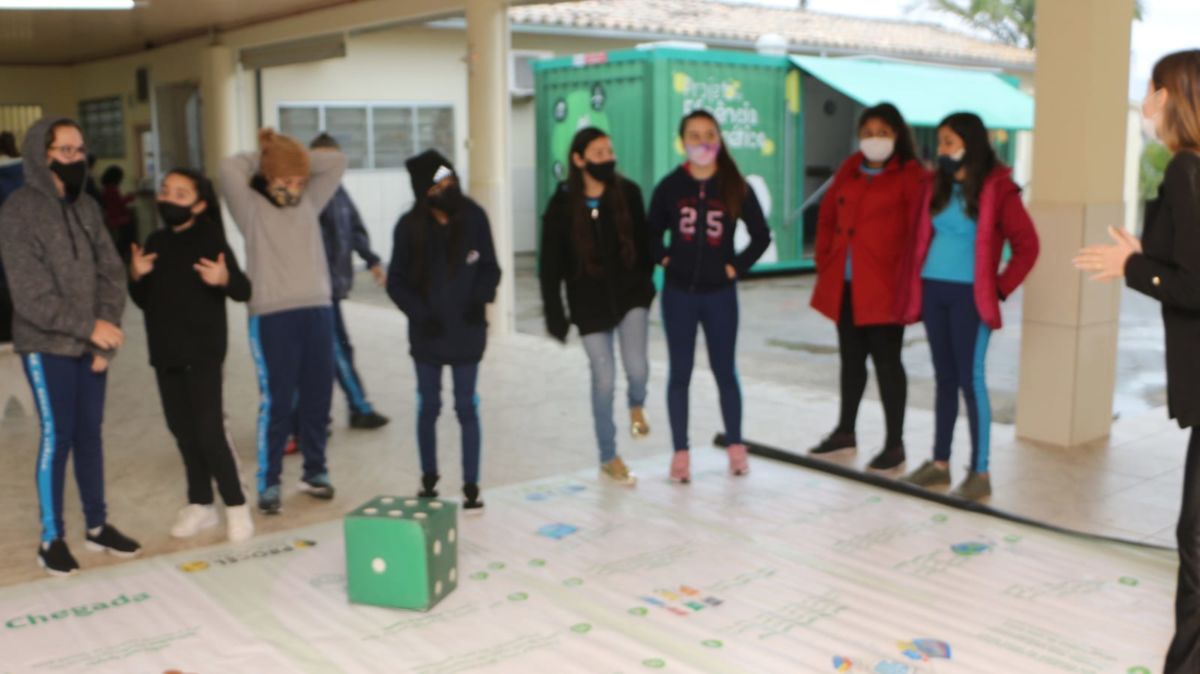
column 466, row 406
column 293, row 352
column 958, row 341
column 683, row 314
column 633, row 334
column 70, row 404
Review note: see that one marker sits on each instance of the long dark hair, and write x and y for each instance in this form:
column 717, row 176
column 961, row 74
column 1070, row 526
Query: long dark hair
column 211, row 215
column 979, row 161
column 888, row 114
column 585, row 239
column 420, row 254
column 730, row 183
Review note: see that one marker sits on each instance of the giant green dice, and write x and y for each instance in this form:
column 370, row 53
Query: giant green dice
column 402, row 552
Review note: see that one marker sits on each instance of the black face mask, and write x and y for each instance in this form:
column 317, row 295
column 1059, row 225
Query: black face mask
column 174, row 215
column 72, row 175
column 604, row 171
column 448, row 200
column 949, row 165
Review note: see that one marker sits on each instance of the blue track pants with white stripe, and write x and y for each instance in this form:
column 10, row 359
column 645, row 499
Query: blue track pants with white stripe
column 347, row 374
column 293, row 351
column 70, row 403
column 958, row 340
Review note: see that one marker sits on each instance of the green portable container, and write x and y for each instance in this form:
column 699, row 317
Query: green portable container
column 638, row 97
column 402, row 552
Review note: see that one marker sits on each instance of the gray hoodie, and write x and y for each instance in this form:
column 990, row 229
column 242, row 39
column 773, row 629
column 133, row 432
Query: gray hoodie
column 63, row 270
column 285, row 255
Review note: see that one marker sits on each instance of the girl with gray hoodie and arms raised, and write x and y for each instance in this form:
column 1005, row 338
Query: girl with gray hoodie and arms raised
column 68, row 290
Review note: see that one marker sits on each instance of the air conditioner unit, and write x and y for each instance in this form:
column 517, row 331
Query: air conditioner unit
column 520, row 72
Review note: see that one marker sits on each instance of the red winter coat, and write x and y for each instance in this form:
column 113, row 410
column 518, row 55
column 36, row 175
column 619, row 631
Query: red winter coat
column 874, row 217
column 1002, row 218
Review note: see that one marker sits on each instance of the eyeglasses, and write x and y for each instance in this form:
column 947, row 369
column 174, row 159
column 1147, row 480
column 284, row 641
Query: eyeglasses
column 69, row 151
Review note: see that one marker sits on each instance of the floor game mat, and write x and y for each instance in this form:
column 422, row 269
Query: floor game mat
column 784, row 570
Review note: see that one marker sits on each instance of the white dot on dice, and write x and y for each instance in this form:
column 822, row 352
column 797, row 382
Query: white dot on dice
column 378, row 565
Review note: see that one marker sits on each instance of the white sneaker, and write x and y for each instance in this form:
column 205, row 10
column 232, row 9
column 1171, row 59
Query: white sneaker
column 192, row 519
column 239, row 524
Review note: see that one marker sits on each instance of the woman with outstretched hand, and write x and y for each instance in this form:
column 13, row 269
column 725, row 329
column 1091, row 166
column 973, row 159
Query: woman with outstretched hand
column 1165, row 265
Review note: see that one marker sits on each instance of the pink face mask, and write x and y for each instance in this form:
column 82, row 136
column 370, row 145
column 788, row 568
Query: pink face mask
column 703, row 154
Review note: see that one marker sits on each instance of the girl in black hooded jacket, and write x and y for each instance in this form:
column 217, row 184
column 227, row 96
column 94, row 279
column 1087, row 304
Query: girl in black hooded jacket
column 595, row 240
column 442, row 274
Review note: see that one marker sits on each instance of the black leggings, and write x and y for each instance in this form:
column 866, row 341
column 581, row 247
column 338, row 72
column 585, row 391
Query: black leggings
column 191, row 401
column 1184, row 655
column 883, row 344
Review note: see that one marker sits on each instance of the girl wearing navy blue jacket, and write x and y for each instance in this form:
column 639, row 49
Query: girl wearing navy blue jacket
column 699, row 205
column 442, row 274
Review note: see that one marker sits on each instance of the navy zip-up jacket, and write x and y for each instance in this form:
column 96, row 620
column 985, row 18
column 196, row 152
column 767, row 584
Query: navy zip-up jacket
column 701, row 241
column 446, row 325
column 344, row 234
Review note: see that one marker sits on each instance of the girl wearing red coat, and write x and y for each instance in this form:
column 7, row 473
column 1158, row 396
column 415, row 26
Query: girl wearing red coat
column 867, row 219
column 955, row 286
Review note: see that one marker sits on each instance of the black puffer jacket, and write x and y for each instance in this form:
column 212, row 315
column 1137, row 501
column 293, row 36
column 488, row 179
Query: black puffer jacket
column 596, row 303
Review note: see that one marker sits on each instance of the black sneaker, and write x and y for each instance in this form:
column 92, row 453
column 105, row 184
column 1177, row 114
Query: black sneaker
column 429, row 486
column 890, row 459
column 113, row 542
column 56, row 558
column 836, row 443
column 369, row 421
column 473, row 505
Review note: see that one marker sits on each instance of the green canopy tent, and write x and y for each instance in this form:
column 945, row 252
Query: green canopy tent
column 925, row 94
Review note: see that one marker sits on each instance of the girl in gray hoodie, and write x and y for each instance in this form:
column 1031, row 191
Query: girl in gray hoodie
column 68, row 291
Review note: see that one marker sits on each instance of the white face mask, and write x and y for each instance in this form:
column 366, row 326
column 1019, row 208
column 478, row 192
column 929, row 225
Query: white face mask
column 877, row 149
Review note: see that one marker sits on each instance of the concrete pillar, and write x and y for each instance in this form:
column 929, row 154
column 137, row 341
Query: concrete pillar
column 218, row 105
column 1069, row 333
column 220, row 111
column 488, row 138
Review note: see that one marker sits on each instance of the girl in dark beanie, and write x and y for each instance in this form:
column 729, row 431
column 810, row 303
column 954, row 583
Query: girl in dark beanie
column 442, row 274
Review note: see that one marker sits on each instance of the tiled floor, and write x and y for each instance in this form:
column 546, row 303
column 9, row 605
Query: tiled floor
column 537, row 423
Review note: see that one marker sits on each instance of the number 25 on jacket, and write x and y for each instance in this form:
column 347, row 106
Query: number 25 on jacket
column 715, row 227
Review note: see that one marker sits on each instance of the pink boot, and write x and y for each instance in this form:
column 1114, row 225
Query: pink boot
column 681, row 467
column 739, row 464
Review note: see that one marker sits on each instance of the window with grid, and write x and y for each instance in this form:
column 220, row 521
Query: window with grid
column 374, row 136
column 103, row 122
